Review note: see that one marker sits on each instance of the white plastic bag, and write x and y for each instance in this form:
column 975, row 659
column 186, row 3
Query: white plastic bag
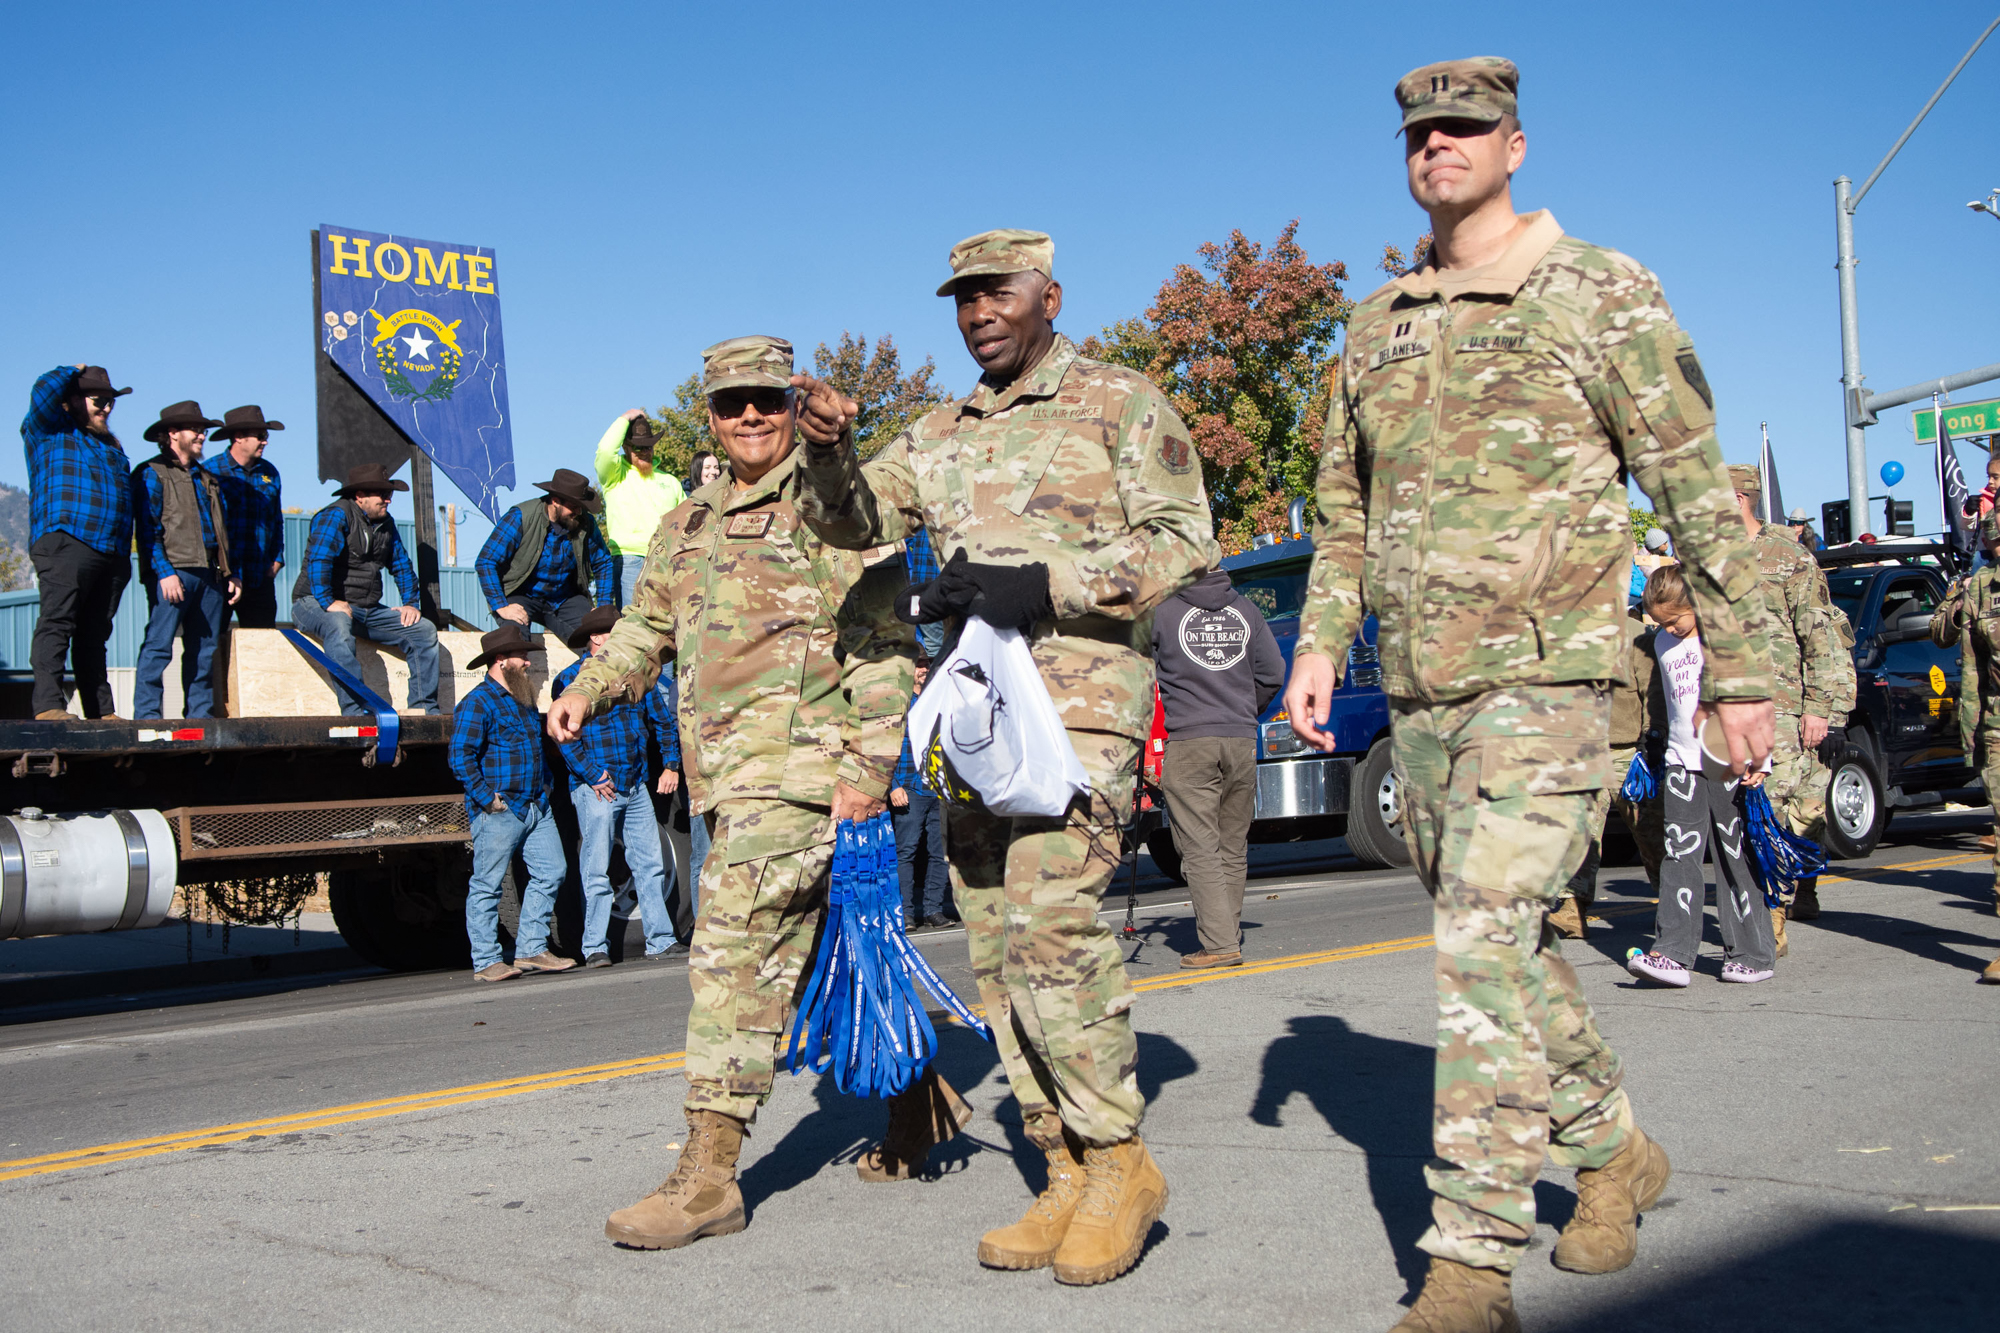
column 987, row 707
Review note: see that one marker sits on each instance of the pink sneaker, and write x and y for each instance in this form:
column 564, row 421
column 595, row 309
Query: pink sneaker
column 1656, row 967
column 1744, row 972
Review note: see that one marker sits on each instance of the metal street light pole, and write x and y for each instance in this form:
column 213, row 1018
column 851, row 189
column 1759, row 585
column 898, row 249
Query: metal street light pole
column 1856, row 410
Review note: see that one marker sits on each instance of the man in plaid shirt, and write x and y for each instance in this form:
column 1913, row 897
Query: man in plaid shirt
column 919, row 819
column 496, row 753
column 79, row 533
column 184, row 564
column 253, row 500
column 545, row 555
column 608, row 763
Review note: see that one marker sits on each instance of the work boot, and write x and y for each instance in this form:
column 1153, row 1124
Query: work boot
column 1458, row 1298
column 1991, row 976
column 1805, row 903
column 1206, row 958
column 1567, row 919
column 1032, row 1242
column 1778, row 930
column 55, row 715
column 1123, row 1195
column 1603, row 1236
column 921, row 1116
column 699, row 1199
column 1986, row 843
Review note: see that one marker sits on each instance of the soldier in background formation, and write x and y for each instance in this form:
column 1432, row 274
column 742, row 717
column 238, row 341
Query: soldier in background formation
column 794, row 678
column 1487, row 409
column 1069, row 496
column 253, row 501
column 1812, row 678
column 183, row 540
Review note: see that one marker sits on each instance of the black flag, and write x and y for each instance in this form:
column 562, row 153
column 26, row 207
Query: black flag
column 1960, row 539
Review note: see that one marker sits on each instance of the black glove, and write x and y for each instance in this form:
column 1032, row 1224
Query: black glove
column 1004, row 596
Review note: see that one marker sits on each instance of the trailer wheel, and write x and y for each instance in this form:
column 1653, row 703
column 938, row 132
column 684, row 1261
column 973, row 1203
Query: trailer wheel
column 1166, row 856
column 406, row 915
column 1375, row 811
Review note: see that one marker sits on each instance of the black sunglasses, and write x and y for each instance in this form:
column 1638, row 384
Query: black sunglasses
column 730, row 403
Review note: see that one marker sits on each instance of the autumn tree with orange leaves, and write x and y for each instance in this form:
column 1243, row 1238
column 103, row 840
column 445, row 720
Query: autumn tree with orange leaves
column 1242, row 347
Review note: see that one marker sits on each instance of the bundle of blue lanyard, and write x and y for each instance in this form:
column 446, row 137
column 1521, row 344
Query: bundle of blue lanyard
column 861, row 1017
column 1640, row 784
column 1777, row 856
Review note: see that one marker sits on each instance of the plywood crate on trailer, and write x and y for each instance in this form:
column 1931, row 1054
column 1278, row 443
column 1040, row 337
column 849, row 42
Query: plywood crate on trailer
column 269, row 677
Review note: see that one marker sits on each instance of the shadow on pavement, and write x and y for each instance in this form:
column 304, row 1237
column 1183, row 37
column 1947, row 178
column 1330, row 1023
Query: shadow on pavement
column 1930, row 943
column 1844, row 1275
column 1375, row 1092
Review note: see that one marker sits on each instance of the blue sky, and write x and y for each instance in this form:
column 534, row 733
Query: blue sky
column 658, row 177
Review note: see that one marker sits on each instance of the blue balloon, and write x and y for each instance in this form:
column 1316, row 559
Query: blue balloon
column 1892, row 472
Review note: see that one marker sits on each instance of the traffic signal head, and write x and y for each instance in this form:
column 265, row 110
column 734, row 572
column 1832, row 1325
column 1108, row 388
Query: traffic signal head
column 1833, row 524
column 1899, row 517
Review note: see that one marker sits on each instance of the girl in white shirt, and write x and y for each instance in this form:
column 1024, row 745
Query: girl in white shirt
column 1701, row 815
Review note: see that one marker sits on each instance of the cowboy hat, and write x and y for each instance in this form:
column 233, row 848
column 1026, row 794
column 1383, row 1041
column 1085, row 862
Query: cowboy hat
column 178, row 416
column 506, row 641
column 371, row 477
column 96, row 379
column 245, row 421
column 572, row 489
column 599, row 621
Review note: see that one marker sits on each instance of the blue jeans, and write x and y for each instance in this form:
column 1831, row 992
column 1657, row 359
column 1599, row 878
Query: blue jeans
column 383, row 625
column 628, row 817
column 198, row 619
column 629, row 567
column 697, row 856
column 495, row 839
column 919, row 823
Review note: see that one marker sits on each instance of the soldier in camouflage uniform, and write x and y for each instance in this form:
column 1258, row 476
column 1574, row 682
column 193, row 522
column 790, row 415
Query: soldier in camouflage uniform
column 1970, row 618
column 1628, row 726
column 794, row 677
column 1070, row 499
column 1487, row 409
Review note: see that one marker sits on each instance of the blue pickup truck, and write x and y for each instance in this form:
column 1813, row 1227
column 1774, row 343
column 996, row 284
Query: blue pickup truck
column 1302, row 794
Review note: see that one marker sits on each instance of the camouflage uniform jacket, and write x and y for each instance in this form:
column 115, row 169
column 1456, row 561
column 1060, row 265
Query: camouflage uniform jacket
column 1812, row 671
column 1472, row 482
column 794, row 671
column 1079, row 464
column 1970, row 618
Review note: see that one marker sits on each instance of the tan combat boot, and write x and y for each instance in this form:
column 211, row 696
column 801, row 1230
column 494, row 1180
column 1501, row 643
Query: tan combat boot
column 1032, row 1241
column 923, row 1115
column 1603, row 1236
column 1458, row 1298
column 1778, row 930
column 1991, row 976
column 1123, row 1195
column 699, row 1199
column 1567, row 918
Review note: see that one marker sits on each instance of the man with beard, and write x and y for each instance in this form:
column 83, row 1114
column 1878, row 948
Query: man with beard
column 545, row 556
column 496, row 753
column 794, row 678
column 79, row 533
column 1070, row 497
column 637, row 495
column 183, row 540
column 253, row 499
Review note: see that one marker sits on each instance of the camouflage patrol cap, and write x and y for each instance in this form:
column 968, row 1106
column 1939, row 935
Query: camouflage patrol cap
column 1481, row 88
column 1746, row 478
column 1002, row 251
column 755, row 362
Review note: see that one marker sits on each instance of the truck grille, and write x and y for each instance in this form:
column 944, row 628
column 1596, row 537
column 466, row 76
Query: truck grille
column 214, row 832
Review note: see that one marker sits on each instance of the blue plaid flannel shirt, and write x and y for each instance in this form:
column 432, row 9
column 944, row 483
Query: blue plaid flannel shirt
column 614, row 741
column 496, row 746
column 553, row 573
column 77, row 483
column 324, row 545
column 919, row 559
column 908, row 776
column 146, row 510
column 254, row 510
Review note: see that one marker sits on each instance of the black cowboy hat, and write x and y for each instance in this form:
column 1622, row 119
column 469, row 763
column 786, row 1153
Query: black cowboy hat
column 96, row 379
column 572, row 489
column 599, row 620
column 509, row 638
column 184, row 414
column 639, row 437
column 371, row 477
column 245, row 421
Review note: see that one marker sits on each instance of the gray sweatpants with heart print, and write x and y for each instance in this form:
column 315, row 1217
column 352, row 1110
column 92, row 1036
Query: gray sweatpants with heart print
column 1702, row 816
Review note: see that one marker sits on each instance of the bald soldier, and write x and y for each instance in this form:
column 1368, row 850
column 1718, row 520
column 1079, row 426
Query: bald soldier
column 1069, row 499
column 1486, row 411
column 794, row 676
column 1812, row 676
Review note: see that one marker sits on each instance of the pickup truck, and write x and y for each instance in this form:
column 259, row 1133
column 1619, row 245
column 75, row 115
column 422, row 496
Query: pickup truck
column 1302, row 794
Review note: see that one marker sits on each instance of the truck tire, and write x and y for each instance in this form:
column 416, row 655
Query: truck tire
column 1375, row 811
column 1166, row 856
column 407, row 915
column 1856, row 812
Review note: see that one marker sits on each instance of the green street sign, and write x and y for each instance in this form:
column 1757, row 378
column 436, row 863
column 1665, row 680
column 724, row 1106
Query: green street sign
column 1961, row 419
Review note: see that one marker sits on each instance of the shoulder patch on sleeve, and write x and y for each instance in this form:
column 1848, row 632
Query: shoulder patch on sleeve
column 1176, row 454
column 1690, row 368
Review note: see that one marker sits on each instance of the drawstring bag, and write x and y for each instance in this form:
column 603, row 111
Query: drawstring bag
column 1640, row 785
column 989, row 732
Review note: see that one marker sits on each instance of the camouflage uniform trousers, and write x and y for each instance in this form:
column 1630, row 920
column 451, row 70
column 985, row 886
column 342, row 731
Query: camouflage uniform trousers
column 752, row 942
column 1582, row 886
column 1988, row 746
column 1050, row 972
column 1500, row 791
column 1797, row 787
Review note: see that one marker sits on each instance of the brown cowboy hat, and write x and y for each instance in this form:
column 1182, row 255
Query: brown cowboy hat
column 245, row 421
column 182, row 415
column 96, row 379
column 572, row 489
column 639, row 437
column 509, row 639
column 599, row 621
column 371, row 477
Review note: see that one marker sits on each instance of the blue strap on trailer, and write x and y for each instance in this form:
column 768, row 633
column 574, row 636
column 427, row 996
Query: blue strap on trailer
column 861, row 1017
column 388, row 726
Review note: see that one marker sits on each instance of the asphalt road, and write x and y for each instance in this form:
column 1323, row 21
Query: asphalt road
column 417, row 1151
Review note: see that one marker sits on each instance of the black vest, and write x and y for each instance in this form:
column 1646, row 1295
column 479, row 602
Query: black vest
column 357, row 570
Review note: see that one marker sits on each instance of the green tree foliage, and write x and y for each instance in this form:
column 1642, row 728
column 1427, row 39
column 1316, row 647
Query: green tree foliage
column 683, row 428
column 1643, row 522
column 874, row 378
column 15, row 571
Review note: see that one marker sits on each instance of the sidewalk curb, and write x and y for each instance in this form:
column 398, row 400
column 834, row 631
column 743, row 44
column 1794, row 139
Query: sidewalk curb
column 39, row 990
